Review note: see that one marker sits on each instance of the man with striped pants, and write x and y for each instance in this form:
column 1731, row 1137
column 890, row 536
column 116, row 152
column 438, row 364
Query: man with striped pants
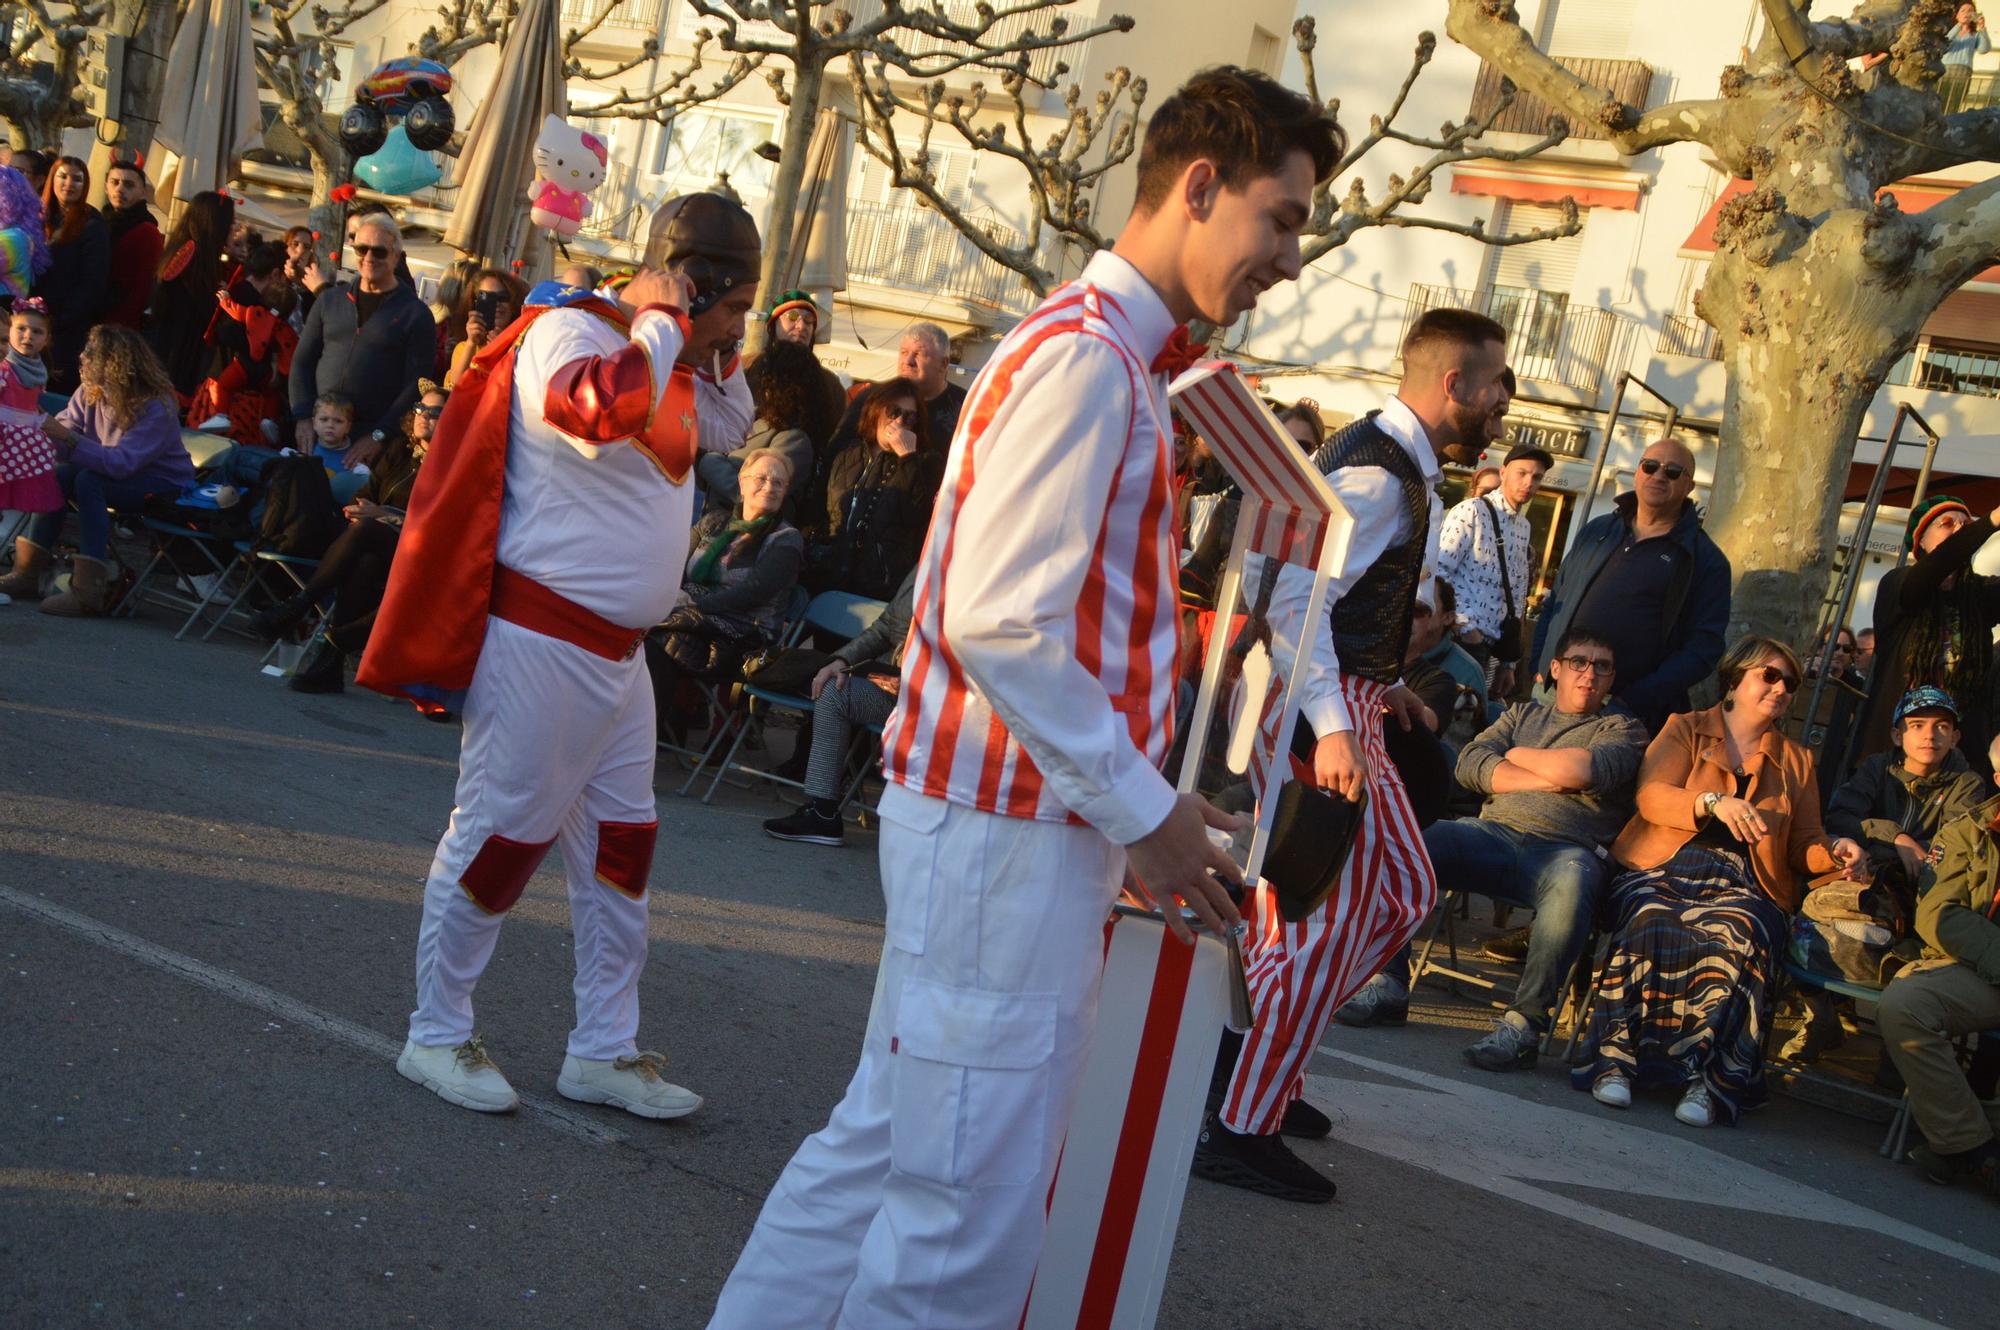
column 1023, row 757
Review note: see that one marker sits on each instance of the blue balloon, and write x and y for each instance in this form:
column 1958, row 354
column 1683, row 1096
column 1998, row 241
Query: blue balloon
column 399, row 167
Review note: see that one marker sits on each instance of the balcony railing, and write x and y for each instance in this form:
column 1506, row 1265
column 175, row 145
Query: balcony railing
column 1982, row 91
column 1948, row 371
column 1627, row 80
column 1548, row 339
column 625, row 16
column 915, row 249
column 1685, row 335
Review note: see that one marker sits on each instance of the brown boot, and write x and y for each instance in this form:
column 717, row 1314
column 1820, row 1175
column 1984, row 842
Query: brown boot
column 89, row 588
column 31, row 564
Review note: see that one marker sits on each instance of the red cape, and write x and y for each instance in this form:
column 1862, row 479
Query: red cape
column 432, row 621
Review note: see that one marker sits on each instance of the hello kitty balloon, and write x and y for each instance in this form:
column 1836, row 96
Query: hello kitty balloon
column 569, row 164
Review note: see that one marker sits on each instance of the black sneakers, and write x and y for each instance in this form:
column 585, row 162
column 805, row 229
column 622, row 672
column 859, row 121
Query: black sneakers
column 1258, row 1163
column 1303, row 1122
column 809, row 824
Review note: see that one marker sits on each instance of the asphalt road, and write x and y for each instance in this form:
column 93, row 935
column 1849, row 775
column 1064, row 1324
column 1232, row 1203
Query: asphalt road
column 209, row 888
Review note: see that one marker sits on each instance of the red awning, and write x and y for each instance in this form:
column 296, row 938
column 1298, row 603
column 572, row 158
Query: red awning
column 1910, row 198
column 1519, row 189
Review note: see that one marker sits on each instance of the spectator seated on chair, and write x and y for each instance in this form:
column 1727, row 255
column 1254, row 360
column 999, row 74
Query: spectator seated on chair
column 1951, row 991
column 1558, row 784
column 742, row 568
column 858, row 687
column 1893, row 806
column 118, row 444
column 355, row 568
column 1728, row 818
column 879, row 495
column 784, row 383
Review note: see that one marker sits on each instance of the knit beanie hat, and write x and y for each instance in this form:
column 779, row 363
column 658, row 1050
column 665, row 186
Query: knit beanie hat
column 1921, row 515
column 794, row 300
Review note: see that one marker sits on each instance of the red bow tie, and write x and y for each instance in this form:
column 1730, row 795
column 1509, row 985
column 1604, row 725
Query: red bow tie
column 1178, row 354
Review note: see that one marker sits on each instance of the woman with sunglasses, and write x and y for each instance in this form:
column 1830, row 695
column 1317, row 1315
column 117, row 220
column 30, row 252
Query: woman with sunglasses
column 355, row 568
column 879, row 495
column 1928, row 614
column 1727, row 824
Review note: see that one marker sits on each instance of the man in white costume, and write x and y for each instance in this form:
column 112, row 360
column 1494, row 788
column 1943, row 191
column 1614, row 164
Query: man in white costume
column 1023, row 757
column 547, row 533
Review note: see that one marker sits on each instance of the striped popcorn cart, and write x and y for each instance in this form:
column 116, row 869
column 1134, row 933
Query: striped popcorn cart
column 1123, row 1173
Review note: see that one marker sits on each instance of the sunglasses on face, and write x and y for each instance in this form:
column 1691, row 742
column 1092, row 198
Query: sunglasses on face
column 1774, row 676
column 372, row 251
column 903, row 416
column 431, row 411
column 1673, row 470
column 1585, row 665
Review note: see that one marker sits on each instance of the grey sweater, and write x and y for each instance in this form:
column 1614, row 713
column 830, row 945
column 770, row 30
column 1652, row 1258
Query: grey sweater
column 1592, row 817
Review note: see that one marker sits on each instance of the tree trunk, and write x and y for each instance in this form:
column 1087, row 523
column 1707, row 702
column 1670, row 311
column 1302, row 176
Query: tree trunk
column 1808, row 343
column 808, row 89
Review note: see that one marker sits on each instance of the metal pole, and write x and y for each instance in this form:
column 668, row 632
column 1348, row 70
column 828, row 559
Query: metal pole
column 1603, row 452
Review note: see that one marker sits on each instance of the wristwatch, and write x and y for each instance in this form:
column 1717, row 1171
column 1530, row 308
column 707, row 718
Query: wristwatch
column 378, row 435
column 1708, row 803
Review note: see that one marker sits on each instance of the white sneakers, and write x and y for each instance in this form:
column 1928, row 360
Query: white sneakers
column 633, row 1084
column 1612, row 1090
column 463, row 1075
column 1696, row 1109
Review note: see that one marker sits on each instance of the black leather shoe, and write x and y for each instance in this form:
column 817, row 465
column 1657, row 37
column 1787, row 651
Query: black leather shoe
column 1303, row 1122
column 324, row 669
column 273, row 623
column 1261, row 1164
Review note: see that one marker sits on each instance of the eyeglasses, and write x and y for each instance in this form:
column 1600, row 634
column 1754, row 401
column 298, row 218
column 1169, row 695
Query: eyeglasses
column 372, row 251
column 1586, row 665
column 1673, row 470
column 903, row 416
column 432, row 411
column 1774, row 676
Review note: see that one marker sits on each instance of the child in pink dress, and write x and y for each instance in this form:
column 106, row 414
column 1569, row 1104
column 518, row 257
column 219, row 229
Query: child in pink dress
column 27, row 454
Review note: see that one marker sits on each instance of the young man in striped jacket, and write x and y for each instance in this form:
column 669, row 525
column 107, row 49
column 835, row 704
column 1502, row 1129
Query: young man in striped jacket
column 1023, row 759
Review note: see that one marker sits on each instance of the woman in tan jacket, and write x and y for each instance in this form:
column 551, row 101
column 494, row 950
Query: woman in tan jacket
column 1727, row 824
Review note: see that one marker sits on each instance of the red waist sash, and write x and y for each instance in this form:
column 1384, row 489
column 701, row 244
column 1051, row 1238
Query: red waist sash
column 521, row 600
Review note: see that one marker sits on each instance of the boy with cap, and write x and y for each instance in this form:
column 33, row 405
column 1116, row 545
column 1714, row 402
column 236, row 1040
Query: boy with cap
column 547, row 533
column 1484, row 551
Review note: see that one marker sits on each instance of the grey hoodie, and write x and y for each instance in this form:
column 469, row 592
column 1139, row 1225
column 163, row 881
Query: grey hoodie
column 1591, row 817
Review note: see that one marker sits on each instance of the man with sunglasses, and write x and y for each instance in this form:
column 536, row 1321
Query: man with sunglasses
column 1646, row 579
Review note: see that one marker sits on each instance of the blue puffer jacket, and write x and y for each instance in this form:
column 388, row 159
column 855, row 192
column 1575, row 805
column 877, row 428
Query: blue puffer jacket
column 1697, row 608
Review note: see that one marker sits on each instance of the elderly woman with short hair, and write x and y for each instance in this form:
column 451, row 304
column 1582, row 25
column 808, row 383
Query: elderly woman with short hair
column 743, row 565
column 1728, row 822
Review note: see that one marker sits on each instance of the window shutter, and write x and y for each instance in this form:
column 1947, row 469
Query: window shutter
column 1546, row 265
column 1589, row 29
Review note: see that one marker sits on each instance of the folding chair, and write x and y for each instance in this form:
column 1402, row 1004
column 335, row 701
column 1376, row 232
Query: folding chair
column 712, row 694
column 1451, row 904
column 251, row 563
column 181, row 554
column 836, row 613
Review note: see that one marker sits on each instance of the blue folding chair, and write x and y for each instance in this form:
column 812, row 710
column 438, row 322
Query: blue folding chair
column 251, row 562
column 836, row 613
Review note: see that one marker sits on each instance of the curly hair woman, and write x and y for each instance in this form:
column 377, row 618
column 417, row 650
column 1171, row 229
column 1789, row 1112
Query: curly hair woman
column 1934, row 619
column 192, row 270
column 119, row 444
column 785, row 383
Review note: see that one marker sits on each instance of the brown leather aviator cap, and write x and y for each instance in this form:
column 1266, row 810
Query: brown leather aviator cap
column 710, row 239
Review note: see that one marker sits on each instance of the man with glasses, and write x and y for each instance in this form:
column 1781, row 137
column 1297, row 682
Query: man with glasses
column 1646, row 579
column 372, row 341
column 1558, row 781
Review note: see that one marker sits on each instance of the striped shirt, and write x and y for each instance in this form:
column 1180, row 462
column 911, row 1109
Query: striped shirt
column 1039, row 676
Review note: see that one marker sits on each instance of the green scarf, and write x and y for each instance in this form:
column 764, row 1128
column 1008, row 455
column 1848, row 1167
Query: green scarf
column 707, row 569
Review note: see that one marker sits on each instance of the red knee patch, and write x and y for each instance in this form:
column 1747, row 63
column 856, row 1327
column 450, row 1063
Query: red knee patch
column 625, row 855
column 499, row 873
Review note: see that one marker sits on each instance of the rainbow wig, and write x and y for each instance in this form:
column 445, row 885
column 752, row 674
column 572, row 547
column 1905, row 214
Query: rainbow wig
column 24, row 247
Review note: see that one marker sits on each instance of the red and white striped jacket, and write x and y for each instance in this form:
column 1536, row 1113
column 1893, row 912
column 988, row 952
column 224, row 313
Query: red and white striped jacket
column 1038, row 681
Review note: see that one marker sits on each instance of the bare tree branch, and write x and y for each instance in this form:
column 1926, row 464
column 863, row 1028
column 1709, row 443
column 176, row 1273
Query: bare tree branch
column 659, row 101
column 1961, row 235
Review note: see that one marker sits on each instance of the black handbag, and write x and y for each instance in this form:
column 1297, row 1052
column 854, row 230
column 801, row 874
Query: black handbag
column 1507, row 646
column 786, row 669
column 706, row 647
column 1312, row 833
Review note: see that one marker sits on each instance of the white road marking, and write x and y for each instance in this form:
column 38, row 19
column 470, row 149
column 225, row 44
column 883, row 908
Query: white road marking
column 1506, row 1146
column 548, row 1111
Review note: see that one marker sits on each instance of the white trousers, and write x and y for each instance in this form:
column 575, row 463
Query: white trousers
column 921, row 1203
column 558, row 745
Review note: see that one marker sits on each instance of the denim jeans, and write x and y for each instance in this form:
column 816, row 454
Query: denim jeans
column 96, row 494
column 1562, row 882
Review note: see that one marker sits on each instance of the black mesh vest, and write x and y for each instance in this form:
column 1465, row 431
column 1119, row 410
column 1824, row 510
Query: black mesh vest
column 1371, row 623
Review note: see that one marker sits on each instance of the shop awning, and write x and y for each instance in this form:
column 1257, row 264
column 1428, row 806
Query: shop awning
column 1588, row 191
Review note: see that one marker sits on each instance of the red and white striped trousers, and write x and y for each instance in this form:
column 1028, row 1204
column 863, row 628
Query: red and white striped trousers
column 1300, row 973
